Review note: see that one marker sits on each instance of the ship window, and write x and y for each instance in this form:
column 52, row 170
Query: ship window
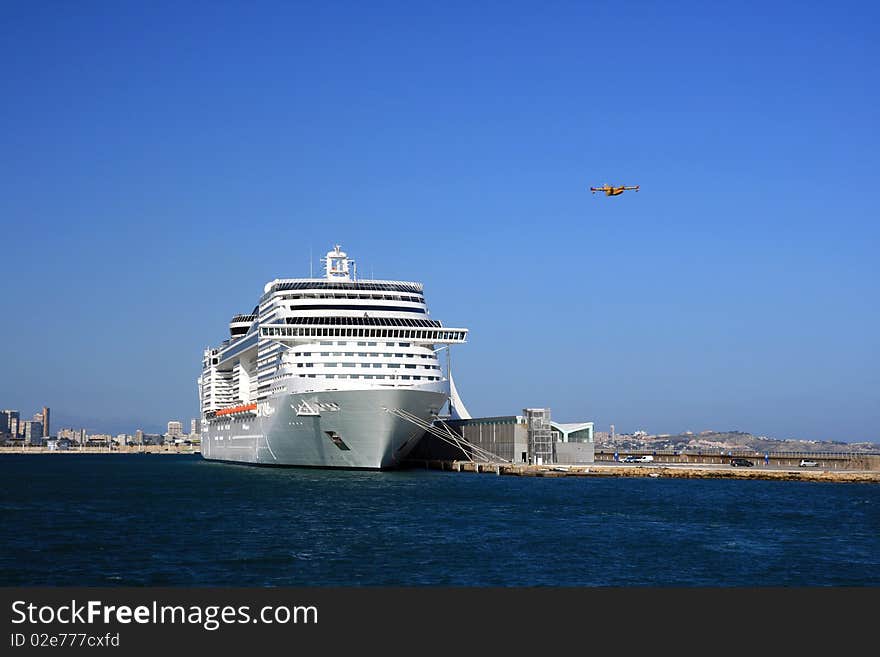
column 410, row 367
column 368, row 376
column 362, row 344
column 405, row 377
column 325, row 353
column 342, row 343
column 404, row 344
column 371, row 344
column 365, row 364
column 330, row 376
column 377, row 364
column 417, row 378
column 310, row 364
column 348, row 364
column 396, row 366
column 323, row 342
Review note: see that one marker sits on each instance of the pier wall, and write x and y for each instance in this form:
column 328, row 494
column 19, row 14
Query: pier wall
column 694, row 471
column 131, row 449
column 826, row 460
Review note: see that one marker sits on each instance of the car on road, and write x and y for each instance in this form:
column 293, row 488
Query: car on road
column 638, row 459
column 738, row 463
column 808, row 463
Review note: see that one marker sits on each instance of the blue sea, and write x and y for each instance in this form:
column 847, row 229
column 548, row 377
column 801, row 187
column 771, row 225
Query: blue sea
column 162, row 520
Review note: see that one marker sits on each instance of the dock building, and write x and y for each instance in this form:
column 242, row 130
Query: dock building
column 532, row 437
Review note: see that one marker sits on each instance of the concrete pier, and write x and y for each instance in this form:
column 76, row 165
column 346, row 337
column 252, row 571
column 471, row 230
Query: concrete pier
column 679, row 471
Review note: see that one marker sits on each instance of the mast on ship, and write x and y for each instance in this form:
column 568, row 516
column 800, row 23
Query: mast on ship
column 338, row 266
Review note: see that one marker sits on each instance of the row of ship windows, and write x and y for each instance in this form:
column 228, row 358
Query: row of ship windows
column 447, row 335
column 404, row 377
column 389, row 365
column 364, row 307
column 377, row 297
column 343, row 343
column 362, row 353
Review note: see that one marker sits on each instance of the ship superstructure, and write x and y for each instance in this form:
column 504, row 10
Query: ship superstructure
column 308, row 377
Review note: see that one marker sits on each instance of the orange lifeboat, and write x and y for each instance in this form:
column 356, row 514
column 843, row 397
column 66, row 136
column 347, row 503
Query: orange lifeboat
column 237, row 409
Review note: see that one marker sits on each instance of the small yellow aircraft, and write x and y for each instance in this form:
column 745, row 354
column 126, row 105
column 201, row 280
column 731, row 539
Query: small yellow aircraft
column 613, row 191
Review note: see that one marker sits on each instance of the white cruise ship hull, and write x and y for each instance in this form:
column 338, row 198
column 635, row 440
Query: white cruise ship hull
column 329, row 429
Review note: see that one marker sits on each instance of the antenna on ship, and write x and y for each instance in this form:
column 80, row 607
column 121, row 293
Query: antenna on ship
column 311, row 274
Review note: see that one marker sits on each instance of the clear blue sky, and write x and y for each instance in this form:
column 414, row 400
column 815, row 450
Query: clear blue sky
column 160, row 162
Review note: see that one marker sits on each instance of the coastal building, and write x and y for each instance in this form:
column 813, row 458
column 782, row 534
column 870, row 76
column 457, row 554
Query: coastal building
column 139, row 437
column 10, row 420
column 77, row 436
column 152, row 439
column 46, row 429
column 175, row 429
column 573, row 442
column 195, row 426
column 99, row 440
column 532, row 437
column 33, row 432
column 505, row 436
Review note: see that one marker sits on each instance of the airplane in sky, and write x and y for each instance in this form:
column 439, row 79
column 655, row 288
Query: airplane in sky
column 613, row 191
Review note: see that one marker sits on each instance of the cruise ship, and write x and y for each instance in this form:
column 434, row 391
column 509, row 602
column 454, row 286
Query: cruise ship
column 331, row 372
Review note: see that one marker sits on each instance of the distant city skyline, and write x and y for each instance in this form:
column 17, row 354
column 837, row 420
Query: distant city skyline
column 11, row 422
column 159, row 168
column 179, row 427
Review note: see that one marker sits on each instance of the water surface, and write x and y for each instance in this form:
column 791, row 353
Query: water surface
column 164, row 520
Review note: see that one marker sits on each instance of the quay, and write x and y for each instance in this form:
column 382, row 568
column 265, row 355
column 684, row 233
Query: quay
column 128, row 449
column 863, row 470
column 654, row 470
